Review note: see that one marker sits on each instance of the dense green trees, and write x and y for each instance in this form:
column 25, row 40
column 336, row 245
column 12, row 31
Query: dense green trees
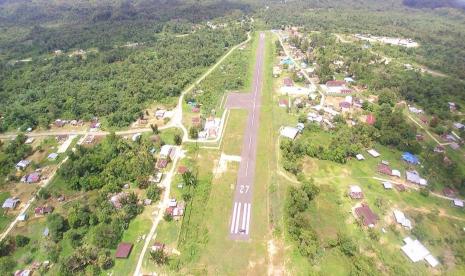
column 11, row 153
column 298, row 222
column 116, row 84
column 113, row 163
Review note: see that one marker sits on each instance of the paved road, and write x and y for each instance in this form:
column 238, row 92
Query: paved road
column 242, row 205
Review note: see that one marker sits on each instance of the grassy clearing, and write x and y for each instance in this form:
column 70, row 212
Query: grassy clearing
column 139, row 227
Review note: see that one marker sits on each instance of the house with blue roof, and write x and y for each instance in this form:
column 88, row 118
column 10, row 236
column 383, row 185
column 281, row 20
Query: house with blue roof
column 410, row 158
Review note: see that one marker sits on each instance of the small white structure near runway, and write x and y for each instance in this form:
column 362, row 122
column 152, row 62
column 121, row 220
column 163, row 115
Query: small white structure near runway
column 374, row 153
column 416, row 251
column 360, row 157
column 289, row 132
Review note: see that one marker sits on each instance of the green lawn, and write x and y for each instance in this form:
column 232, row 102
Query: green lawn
column 137, row 228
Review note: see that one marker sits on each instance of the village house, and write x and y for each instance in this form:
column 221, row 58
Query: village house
column 158, row 246
column 162, row 163
column 29, row 141
column 355, row 192
column 32, row 178
column 10, row 203
column 387, row 185
column 23, row 272
column 116, row 200
column 166, row 151
column 289, row 132
column 22, row 165
column 458, row 126
column 59, row 123
column 283, row 103
column 396, row 173
column 345, row 106
column 439, row 149
column 336, row 87
column 314, row 117
column 124, row 250
column 414, row 177
column 366, row 215
column 44, row 210
column 52, row 156
column 402, row 220
column 175, row 209
column 360, row 157
column 415, row 110
column 373, row 153
column 458, row 203
column 416, row 251
column 288, row 82
column 410, row 158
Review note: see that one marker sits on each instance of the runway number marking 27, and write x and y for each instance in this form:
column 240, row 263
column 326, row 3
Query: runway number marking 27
column 244, row 189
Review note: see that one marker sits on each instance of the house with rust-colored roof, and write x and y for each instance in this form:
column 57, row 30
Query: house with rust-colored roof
column 367, row 216
column 384, row 169
column 123, row 250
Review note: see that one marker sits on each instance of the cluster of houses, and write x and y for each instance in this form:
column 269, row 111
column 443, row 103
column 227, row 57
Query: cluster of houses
column 175, row 209
column 337, row 87
column 404, row 42
column 62, row 123
column 161, row 114
column 413, row 249
column 167, row 153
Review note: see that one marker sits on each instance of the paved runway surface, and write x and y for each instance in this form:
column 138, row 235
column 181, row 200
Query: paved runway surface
column 242, row 206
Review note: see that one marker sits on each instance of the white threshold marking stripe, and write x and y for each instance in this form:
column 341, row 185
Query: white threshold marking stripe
column 234, row 217
column 248, row 220
column 237, row 218
column 244, row 216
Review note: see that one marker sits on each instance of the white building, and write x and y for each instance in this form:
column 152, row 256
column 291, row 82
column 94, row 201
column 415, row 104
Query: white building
column 416, row 251
column 374, row 153
column 402, row 220
column 289, row 132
